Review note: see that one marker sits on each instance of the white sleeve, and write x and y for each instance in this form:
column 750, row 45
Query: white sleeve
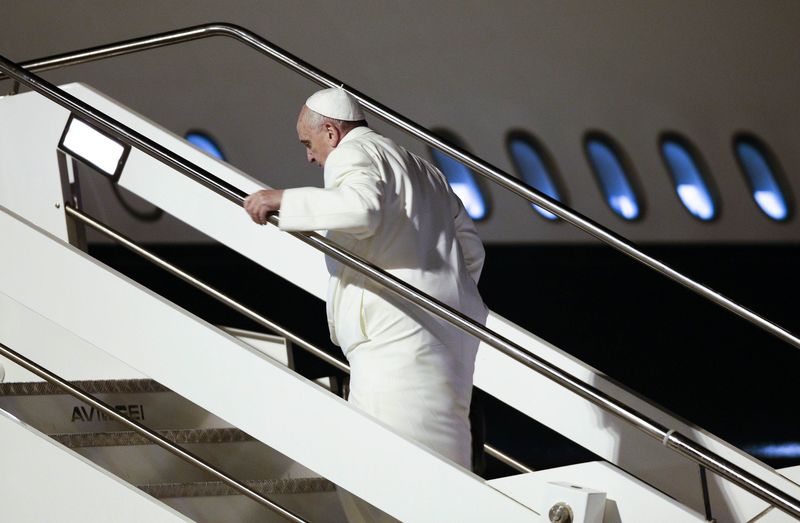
column 350, row 202
column 468, row 239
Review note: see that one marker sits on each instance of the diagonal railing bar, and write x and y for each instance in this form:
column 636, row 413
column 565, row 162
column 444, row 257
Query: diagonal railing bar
column 669, row 437
column 480, row 166
column 202, row 286
column 246, row 311
column 148, row 433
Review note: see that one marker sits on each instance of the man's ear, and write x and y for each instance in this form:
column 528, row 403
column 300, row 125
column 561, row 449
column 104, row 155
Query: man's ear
column 332, row 134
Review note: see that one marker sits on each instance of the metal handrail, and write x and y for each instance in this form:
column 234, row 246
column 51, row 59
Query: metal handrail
column 669, row 437
column 480, row 166
column 200, row 285
column 246, row 311
column 148, row 433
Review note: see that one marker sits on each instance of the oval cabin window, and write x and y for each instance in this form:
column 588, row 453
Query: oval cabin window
column 689, row 177
column 206, row 143
column 461, row 179
column 760, row 169
column 534, row 168
column 607, row 163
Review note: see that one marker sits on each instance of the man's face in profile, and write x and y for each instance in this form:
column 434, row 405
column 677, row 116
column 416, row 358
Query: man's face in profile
column 315, row 140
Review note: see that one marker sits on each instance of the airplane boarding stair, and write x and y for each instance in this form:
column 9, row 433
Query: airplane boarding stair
column 84, row 321
column 235, row 381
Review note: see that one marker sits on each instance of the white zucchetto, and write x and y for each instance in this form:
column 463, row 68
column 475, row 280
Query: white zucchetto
column 335, row 103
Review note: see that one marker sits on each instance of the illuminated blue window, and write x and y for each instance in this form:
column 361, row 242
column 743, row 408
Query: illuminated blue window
column 608, row 166
column 462, row 180
column 790, row 449
column 757, row 164
column 689, row 177
column 534, row 167
column 206, row 143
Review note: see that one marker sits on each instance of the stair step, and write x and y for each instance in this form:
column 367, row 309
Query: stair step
column 130, row 438
column 44, row 388
column 314, row 499
column 265, row 487
column 161, row 474
column 50, row 409
column 140, row 461
column 41, row 482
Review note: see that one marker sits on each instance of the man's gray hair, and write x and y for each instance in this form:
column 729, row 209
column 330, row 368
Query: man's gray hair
column 316, row 121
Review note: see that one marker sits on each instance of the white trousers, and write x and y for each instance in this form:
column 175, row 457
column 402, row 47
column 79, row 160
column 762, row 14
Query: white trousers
column 421, row 388
column 421, row 391
column 414, row 374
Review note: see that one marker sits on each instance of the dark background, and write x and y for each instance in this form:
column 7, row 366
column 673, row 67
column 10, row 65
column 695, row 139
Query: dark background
column 644, row 331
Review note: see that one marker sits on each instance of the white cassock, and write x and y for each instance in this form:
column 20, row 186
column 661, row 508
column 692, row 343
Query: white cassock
column 409, row 370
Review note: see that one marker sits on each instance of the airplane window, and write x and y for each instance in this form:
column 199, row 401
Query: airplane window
column 608, row 166
column 789, row 449
column 757, row 164
column 534, row 168
column 461, row 179
column 206, row 143
column 689, row 177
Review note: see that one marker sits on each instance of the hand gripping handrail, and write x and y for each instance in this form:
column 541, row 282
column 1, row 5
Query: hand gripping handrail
column 669, row 437
column 148, row 433
column 480, row 166
column 246, row 311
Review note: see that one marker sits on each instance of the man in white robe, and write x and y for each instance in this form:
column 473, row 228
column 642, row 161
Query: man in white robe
column 409, row 369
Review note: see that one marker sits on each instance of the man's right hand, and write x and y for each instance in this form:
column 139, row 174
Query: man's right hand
column 259, row 204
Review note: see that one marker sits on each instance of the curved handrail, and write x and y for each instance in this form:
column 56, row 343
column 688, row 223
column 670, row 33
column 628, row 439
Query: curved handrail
column 148, row 433
column 669, row 437
column 245, row 311
column 480, row 166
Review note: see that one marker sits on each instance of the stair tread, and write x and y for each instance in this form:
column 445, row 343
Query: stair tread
column 218, row 488
column 129, row 438
column 42, row 388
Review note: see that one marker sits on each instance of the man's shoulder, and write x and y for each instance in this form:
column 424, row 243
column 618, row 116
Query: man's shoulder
column 362, row 142
column 368, row 138
column 355, row 153
column 352, row 151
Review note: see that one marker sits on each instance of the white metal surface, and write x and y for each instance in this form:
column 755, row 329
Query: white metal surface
column 43, row 481
column 628, row 500
column 145, row 464
column 317, row 507
column 52, row 345
column 756, row 510
column 242, row 385
column 63, row 413
column 612, row 439
column 273, row 346
column 586, row 505
column 29, row 177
